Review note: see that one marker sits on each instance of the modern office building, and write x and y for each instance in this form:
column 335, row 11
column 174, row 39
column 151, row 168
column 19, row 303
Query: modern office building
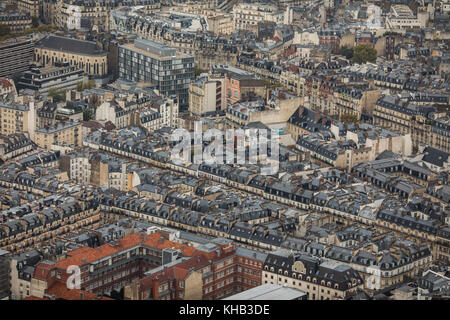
column 16, row 56
column 155, row 63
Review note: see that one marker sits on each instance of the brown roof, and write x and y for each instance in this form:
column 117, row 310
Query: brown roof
column 35, row 298
column 86, row 255
column 60, row 290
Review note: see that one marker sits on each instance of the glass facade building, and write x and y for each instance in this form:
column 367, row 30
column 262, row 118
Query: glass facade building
column 148, row 61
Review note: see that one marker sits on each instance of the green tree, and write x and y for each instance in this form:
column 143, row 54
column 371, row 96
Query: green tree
column 85, row 86
column 364, row 53
column 35, row 22
column 57, row 95
column 349, row 118
column 346, row 52
column 269, row 85
column 198, row 71
column 4, row 30
column 87, row 115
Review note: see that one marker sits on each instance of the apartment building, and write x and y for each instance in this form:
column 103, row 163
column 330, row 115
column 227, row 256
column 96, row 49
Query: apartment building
column 237, row 84
column 208, row 50
column 16, row 56
column 279, row 108
column 40, row 223
column 246, row 16
column 49, row 10
column 215, row 270
column 15, row 118
column 78, row 167
column 321, row 280
column 7, row 87
column 85, row 55
column 14, row 146
column 149, row 119
column 424, row 123
column 62, row 133
column 5, row 283
column 32, row 7
column 108, row 267
column 205, row 97
column 168, row 108
column 69, row 14
column 22, row 270
column 158, row 64
column 221, row 24
column 17, row 22
column 117, row 112
column 355, row 100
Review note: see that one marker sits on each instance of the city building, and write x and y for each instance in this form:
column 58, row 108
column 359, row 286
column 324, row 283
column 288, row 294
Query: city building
column 17, row 22
column 15, row 145
column 62, row 133
column 86, row 55
column 246, row 16
column 319, row 280
column 61, row 76
column 16, row 56
column 16, row 118
column 5, row 283
column 32, row 7
column 159, row 65
column 269, row 291
column 7, row 87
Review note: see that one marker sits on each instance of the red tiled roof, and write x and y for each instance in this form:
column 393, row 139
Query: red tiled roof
column 178, row 271
column 155, row 240
column 5, row 83
column 60, row 290
column 293, row 68
column 35, row 298
column 42, row 270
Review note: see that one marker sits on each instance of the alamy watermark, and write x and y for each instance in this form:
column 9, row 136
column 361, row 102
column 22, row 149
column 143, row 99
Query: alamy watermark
column 249, row 146
column 74, row 280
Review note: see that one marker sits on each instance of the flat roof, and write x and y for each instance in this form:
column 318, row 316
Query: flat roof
column 157, row 52
column 268, row 291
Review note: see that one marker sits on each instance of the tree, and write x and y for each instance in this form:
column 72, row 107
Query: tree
column 4, row 30
column 269, row 85
column 87, row 115
column 349, row 118
column 364, row 53
column 198, row 71
column 35, row 22
column 85, row 86
column 57, row 95
column 346, row 52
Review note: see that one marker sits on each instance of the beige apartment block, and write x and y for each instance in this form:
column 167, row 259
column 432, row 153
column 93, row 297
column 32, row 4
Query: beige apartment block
column 63, row 133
